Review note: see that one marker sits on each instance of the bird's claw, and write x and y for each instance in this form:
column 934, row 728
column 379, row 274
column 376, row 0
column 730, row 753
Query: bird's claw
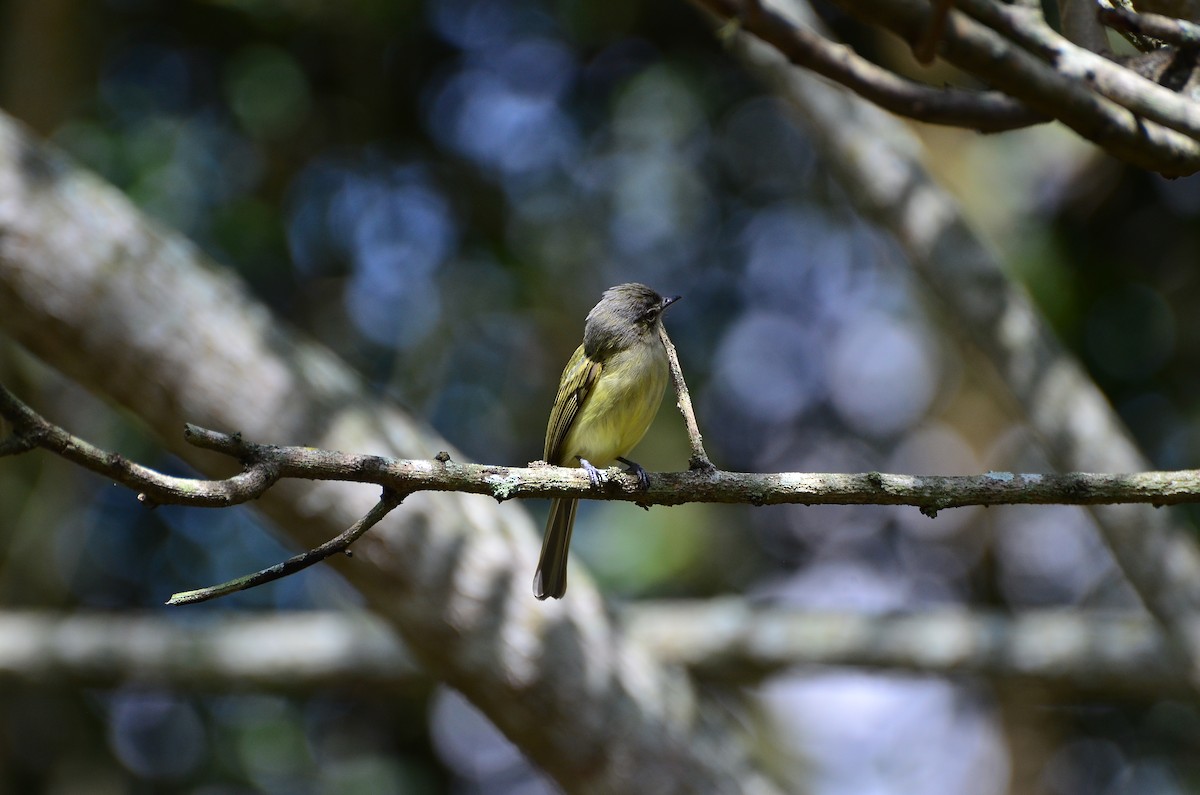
column 638, row 471
column 594, row 475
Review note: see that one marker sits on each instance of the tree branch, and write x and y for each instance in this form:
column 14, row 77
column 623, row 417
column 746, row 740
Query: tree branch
column 926, row 49
column 930, row 493
column 1085, row 654
column 1085, row 651
column 1144, row 97
column 1179, row 32
column 986, row 111
column 282, row 652
column 1063, row 95
column 1041, row 76
column 341, row 543
column 31, row 430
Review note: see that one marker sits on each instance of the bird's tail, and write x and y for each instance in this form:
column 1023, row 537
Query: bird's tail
column 550, row 579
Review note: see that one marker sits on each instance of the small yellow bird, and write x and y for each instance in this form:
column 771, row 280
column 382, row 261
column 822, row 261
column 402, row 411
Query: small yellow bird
column 608, row 395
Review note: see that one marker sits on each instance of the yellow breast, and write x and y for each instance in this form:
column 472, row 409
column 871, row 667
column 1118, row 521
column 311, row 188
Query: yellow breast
column 621, row 407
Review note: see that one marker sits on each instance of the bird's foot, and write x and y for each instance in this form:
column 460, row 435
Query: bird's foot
column 638, row 471
column 594, row 475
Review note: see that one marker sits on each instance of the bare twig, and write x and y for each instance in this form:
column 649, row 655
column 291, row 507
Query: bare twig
column 699, row 460
column 32, row 430
column 987, row 111
column 387, row 502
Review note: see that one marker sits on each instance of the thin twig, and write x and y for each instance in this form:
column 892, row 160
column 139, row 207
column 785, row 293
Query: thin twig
column 387, row 502
column 699, row 460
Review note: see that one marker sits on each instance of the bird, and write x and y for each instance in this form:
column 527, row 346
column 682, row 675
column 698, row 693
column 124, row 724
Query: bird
column 607, row 397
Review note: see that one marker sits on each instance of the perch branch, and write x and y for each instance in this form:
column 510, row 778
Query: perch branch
column 930, row 493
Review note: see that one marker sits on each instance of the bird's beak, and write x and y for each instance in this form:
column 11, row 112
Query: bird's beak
column 670, row 299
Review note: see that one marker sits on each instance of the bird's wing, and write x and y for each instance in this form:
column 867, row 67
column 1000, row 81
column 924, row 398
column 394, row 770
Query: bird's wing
column 578, row 378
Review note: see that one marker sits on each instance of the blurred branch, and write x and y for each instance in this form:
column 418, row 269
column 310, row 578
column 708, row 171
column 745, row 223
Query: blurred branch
column 986, row 111
column 138, row 315
column 727, row 639
column 1037, row 73
column 1086, row 651
column 1123, row 86
column 288, row 652
column 1051, row 75
column 876, row 160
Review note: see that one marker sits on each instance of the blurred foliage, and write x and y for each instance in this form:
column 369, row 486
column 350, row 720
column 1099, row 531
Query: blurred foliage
column 439, row 191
